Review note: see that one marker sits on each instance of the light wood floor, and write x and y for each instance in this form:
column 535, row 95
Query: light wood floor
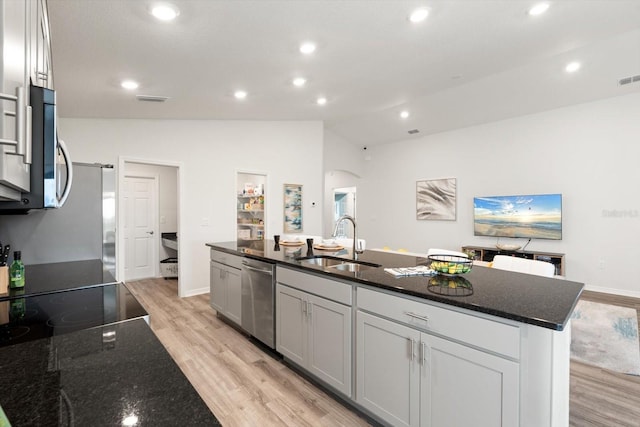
column 243, row 386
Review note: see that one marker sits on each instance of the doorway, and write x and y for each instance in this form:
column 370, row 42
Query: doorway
column 148, row 216
column 140, row 195
column 344, row 203
column 339, row 199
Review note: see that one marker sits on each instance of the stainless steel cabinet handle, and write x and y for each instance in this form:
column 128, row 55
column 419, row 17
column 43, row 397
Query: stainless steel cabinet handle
column 417, row 316
column 413, row 348
column 423, row 352
column 309, row 308
column 304, row 307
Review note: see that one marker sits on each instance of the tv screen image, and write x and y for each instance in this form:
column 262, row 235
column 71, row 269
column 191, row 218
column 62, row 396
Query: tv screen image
column 536, row 216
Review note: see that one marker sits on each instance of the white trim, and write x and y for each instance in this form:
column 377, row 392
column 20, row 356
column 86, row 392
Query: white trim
column 119, row 208
column 194, row 292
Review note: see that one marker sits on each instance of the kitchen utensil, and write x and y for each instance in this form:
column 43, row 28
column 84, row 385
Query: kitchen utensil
column 5, row 254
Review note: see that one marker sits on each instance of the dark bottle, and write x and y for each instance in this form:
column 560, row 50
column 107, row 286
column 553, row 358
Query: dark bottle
column 16, row 271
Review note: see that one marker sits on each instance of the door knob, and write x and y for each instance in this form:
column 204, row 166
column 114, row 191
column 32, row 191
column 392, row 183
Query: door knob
column 150, row 232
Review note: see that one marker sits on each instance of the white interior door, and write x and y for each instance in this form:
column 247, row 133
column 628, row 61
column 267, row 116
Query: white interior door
column 140, row 227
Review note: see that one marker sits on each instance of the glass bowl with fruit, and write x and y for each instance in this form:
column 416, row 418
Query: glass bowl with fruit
column 450, row 264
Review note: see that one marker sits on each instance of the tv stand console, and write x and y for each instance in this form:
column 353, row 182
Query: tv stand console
column 486, row 254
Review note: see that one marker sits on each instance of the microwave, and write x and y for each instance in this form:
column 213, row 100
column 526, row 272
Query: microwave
column 50, row 161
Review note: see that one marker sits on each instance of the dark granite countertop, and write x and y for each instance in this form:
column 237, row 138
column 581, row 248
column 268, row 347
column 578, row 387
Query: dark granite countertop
column 46, row 315
column 75, row 350
column 540, row 301
column 55, row 277
column 98, row 377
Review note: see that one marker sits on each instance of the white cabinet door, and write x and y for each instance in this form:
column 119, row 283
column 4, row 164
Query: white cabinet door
column 233, row 295
column 329, row 341
column 217, row 294
column 463, row 387
column 388, row 373
column 40, row 56
column 291, row 335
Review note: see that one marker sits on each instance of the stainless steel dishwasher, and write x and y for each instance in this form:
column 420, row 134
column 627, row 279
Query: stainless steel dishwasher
column 258, row 300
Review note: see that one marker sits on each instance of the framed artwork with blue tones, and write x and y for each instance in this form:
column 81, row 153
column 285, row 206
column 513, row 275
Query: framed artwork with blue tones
column 292, row 208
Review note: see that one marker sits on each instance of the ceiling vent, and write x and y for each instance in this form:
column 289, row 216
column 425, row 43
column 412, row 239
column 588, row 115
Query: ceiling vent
column 413, row 131
column 628, row 80
column 151, row 98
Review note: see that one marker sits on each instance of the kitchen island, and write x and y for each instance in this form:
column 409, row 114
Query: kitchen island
column 489, row 348
column 76, row 349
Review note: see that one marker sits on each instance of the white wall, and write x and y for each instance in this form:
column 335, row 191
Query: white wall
column 211, row 153
column 587, row 152
column 344, row 165
column 340, row 154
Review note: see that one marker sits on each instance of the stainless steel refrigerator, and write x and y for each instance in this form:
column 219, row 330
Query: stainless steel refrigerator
column 84, row 228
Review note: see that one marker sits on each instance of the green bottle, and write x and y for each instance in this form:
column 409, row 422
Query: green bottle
column 16, row 271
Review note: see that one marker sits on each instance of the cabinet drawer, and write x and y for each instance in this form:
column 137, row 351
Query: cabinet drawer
column 484, row 333
column 226, row 259
column 327, row 288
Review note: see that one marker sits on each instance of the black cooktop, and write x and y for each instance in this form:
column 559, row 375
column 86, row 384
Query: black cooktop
column 55, row 277
column 46, row 315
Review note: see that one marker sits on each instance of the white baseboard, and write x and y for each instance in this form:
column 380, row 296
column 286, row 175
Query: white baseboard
column 194, row 292
column 621, row 292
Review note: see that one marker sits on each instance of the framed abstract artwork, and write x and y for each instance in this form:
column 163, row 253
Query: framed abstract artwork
column 436, row 199
column 292, row 208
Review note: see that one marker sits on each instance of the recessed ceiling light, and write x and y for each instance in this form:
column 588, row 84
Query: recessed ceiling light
column 165, row 12
column 404, row 114
column 240, row 94
column 572, row 67
column 538, row 9
column 321, row 101
column 307, row 48
column 129, row 84
column 299, row 81
column 419, row 15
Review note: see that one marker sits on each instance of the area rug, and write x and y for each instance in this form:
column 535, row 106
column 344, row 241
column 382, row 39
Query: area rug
column 606, row 336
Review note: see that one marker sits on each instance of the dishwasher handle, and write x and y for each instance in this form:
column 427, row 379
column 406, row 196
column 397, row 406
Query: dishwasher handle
column 259, row 270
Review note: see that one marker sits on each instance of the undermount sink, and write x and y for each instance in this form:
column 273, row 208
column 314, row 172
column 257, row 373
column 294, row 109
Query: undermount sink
column 352, row 267
column 321, row 261
column 340, row 264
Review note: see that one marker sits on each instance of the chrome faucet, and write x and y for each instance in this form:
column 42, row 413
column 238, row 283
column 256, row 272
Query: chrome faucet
column 356, row 247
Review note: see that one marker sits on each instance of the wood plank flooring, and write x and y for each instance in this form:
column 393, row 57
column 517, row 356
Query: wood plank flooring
column 241, row 384
column 244, row 386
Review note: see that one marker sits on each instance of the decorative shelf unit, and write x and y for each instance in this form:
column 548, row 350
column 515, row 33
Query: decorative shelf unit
column 250, row 207
column 481, row 253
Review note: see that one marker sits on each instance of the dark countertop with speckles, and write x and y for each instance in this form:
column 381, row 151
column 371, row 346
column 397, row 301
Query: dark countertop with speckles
column 88, row 358
column 60, row 276
column 98, row 377
column 540, row 301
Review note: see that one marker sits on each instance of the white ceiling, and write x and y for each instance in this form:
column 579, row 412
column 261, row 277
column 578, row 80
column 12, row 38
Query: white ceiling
column 470, row 62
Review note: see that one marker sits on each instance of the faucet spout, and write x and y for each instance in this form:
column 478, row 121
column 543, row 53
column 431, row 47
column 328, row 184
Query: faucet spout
column 356, row 248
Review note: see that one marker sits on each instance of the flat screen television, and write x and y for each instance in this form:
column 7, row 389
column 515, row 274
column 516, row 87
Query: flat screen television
column 535, row 216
